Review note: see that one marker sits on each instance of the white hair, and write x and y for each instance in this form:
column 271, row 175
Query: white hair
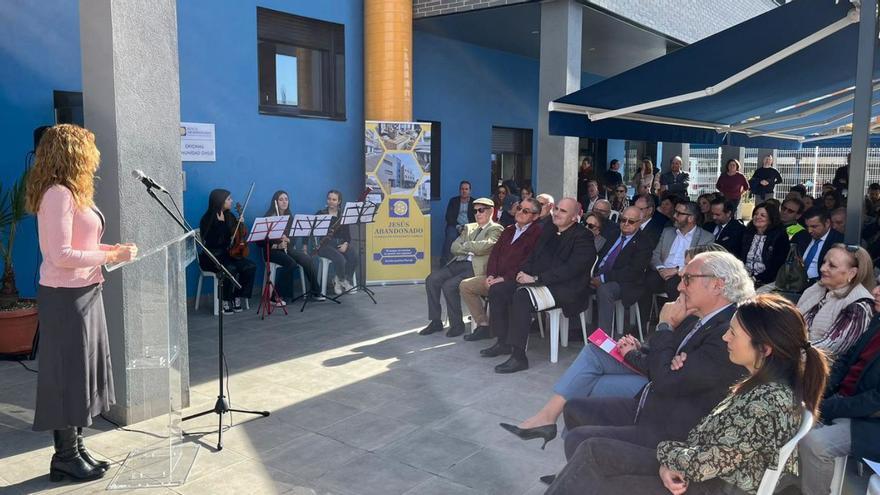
column 546, row 196
column 738, row 285
column 604, row 202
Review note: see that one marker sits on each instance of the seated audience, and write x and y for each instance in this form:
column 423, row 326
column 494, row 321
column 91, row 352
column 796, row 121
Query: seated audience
column 653, row 222
column 459, row 211
column 809, row 202
column 675, row 181
column 850, row 425
column 838, row 219
column 790, row 213
column 505, row 260
column 827, row 187
column 764, row 245
column 685, row 363
column 470, row 253
column 872, row 201
column 831, row 200
column 595, row 223
column 732, row 183
column 503, row 202
column 609, row 230
column 619, row 201
column 667, row 205
column 589, row 200
column 705, row 204
column 797, row 191
column 594, row 373
column 838, row 307
column 560, row 262
column 547, row 203
column 668, row 256
column 728, row 230
column 731, row 447
column 815, row 242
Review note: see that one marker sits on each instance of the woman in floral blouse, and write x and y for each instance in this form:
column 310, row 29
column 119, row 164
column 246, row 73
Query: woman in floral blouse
column 728, row 451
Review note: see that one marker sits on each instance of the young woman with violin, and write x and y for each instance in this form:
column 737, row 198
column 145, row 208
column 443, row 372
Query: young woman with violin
column 225, row 236
column 337, row 246
column 283, row 252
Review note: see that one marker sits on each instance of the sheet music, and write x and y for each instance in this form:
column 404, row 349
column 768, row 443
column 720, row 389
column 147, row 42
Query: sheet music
column 303, row 225
column 366, row 209
column 261, row 229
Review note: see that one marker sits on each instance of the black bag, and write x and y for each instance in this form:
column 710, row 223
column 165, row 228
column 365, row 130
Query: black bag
column 792, row 276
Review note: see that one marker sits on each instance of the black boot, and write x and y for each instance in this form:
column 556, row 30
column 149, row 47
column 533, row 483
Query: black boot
column 67, row 461
column 80, row 446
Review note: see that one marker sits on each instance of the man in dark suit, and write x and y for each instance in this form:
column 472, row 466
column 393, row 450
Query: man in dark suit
column 675, row 181
column 505, row 260
column 459, row 212
column 560, row 262
column 621, row 268
column 685, row 360
column 815, row 242
column 728, row 231
column 849, row 410
column 653, row 222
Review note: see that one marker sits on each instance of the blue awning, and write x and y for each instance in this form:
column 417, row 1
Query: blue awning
column 818, row 79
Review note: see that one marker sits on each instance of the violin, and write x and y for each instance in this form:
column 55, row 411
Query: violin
column 239, row 247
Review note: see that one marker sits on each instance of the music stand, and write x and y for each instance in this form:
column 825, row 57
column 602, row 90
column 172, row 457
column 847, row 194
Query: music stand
column 360, row 213
column 268, row 229
column 309, row 226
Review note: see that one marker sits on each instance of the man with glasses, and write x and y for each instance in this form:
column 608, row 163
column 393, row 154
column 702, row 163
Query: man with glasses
column 506, row 259
column 815, row 242
column 459, row 212
column 790, row 213
column 621, row 268
column 545, row 219
column 668, row 257
column 560, row 262
column 471, row 252
column 728, row 231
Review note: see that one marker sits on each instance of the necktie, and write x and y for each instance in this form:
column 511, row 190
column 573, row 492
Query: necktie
column 688, row 336
column 811, row 253
column 608, row 262
column 718, row 230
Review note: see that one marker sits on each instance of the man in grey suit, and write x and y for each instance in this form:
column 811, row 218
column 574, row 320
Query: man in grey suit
column 668, row 256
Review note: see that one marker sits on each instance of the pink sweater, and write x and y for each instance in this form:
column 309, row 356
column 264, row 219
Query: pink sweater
column 70, row 241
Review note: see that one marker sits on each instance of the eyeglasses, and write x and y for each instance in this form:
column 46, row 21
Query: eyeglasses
column 688, row 276
column 628, row 221
column 520, row 208
column 592, row 226
column 481, row 210
column 685, row 213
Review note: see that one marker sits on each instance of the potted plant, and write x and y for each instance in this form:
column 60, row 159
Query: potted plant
column 18, row 317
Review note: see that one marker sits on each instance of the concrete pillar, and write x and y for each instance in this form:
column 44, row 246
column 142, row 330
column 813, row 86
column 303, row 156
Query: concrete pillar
column 131, row 100
column 560, row 74
column 669, row 150
column 732, row 152
column 388, row 90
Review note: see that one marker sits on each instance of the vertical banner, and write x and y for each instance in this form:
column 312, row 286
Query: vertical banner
column 398, row 170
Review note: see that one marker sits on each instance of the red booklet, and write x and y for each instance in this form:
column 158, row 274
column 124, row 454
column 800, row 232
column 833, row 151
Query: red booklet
column 601, row 340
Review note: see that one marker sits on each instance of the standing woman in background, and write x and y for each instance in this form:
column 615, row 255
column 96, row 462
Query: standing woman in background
column 646, row 178
column 75, row 382
column 732, row 184
column 338, row 248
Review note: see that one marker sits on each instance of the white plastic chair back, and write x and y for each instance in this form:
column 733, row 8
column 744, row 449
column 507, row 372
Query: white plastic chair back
column 771, row 476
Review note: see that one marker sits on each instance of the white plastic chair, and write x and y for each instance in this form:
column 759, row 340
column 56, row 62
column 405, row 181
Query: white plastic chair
column 273, row 269
column 202, row 275
column 634, row 314
column 559, row 329
column 771, row 476
column 874, row 485
column 324, row 267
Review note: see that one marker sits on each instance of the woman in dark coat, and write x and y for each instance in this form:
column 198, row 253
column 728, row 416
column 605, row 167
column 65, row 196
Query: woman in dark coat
column 765, row 244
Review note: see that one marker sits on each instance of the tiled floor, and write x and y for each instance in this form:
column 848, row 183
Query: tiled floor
column 361, row 404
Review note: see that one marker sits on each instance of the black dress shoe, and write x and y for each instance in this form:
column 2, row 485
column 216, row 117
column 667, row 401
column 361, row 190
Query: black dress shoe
column 512, row 365
column 547, row 432
column 455, row 331
column 496, row 350
column 482, row 332
column 434, row 326
column 548, row 480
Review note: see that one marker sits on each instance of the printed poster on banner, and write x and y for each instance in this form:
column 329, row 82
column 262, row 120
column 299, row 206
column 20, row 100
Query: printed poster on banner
column 398, row 170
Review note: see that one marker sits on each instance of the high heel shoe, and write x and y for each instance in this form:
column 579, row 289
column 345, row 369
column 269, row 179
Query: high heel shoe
column 547, row 432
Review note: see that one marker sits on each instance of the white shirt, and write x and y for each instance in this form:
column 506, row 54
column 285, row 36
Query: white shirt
column 675, row 258
column 519, row 231
column 813, row 269
column 718, row 230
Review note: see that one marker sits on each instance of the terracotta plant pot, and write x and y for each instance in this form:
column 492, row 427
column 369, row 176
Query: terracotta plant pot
column 17, row 330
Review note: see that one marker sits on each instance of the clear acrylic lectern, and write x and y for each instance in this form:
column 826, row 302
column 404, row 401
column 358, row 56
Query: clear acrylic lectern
column 155, row 363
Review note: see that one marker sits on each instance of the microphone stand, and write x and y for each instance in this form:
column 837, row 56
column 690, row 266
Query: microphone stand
column 221, row 407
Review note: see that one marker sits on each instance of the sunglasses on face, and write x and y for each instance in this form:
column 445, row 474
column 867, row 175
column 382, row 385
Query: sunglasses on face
column 481, row 210
column 628, row 221
column 520, row 208
column 592, row 226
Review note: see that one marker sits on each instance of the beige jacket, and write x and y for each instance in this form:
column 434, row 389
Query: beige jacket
column 477, row 244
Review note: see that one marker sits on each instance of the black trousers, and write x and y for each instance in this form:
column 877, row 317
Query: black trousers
column 611, row 466
column 242, row 269
column 445, row 281
column 511, row 315
column 606, row 417
column 290, row 260
column 345, row 263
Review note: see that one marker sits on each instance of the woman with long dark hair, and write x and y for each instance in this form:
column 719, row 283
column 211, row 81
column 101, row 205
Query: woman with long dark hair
column 728, row 451
column 217, row 227
column 283, row 252
column 76, row 377
column 765, row 244
column 338, row 249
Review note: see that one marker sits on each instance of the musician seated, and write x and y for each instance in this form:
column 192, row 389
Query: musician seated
column 283, row 252
column 561, row 264
column 470, row 253
column 218, row 226
column 505, row 260
column 338, row 248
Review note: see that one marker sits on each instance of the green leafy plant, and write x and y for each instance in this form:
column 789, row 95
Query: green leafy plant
column 12, row 212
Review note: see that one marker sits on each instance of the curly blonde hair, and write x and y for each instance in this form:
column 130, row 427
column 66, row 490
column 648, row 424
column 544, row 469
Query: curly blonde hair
column 66, row 156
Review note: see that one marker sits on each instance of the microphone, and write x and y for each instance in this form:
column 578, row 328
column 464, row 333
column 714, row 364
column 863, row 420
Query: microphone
column 150, row 183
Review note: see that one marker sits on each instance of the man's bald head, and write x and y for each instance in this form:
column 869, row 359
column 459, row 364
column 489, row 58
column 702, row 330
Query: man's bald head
column 566, row 213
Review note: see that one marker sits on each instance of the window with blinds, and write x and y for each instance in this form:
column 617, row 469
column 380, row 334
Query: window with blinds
column 301, row 66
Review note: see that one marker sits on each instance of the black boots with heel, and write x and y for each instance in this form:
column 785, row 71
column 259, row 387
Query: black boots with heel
column 67, row 461
column 86, row 456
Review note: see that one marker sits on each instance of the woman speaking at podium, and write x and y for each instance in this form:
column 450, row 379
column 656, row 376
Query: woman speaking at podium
column 75, row 381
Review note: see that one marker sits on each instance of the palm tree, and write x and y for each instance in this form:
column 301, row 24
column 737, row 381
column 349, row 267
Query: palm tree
column 12, row 212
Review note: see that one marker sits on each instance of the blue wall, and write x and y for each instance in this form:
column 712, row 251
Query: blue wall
column 39, row 53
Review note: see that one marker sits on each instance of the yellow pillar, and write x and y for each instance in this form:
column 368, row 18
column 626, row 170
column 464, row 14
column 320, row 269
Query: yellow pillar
column 388, row 60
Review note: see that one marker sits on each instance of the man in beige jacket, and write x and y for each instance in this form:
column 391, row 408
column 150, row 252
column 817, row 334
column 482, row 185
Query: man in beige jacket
column 470, row 253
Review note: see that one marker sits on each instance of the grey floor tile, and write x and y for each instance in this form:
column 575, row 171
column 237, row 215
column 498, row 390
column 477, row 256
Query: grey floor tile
column 498, row 472
column 368, row 431
column 373, row 475
column 441, row 486
column 243, row 477
column 310, row 456
column 429, row 450
column 316, row 414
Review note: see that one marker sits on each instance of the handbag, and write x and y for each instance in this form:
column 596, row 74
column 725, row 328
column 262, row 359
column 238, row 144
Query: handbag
column 792, row 275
